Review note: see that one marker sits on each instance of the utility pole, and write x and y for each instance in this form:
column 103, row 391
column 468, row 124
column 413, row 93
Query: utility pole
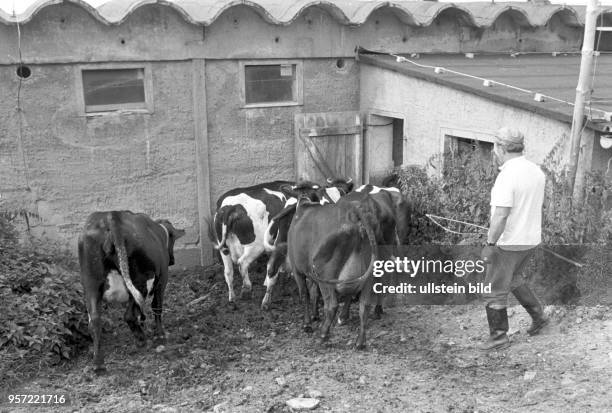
column 583, row 90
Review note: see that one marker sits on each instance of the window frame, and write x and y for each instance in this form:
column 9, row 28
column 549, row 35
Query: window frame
column 97, row 110
column 299, row 95
column 453, row 143
column 449, row 134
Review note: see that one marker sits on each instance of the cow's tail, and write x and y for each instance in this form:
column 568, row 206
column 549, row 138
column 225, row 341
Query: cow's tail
column 219, row 244
column 212, row 236
column 276, row 219
column 115, row 238
column 364, row 222
column 269, row 237
column 367, row 226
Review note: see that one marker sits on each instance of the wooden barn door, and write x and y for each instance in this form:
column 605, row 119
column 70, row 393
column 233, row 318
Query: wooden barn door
column 329, row 145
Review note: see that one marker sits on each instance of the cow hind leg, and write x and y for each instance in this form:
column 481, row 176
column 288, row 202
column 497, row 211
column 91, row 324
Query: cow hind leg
column 344, row 315
column 133, row 319
column 157, row 306
column 250, row 255
column 313, row 288
column 378, row 310
column 95, row 327
column 364, row 310
column 305, row 298
column 330, row 306
column 269, row 283
column 92, row 279
column 228, row 273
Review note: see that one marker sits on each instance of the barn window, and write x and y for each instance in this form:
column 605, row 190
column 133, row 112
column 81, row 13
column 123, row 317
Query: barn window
column 462, row 151
column 460, row 146
column 107, row 88
column 271, row 83
column 465, row 147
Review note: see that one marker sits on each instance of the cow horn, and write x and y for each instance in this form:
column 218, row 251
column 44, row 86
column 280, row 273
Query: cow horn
column 329, row 180
column 349, row 180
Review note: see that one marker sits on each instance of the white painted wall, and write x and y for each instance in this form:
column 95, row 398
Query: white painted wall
column 432, row 110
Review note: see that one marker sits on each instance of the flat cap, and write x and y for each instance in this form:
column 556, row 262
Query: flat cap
column 505, row 136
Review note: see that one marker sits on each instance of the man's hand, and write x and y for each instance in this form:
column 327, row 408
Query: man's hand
column 487, row 253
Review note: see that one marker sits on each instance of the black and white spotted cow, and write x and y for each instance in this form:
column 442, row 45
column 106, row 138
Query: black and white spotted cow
column 338, row 187
column 238, row 227
column 124, row 257
column 275, row 239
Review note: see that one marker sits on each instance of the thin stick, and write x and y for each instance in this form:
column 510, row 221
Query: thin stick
column 577, row 264
column 434, row 217
column 430, row 216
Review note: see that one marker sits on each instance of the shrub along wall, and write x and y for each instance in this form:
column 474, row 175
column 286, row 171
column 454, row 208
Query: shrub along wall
column 42, row 312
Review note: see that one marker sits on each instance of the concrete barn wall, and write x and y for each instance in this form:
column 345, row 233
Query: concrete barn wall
column 251, row 145
column 77, row 164
column 430, row 110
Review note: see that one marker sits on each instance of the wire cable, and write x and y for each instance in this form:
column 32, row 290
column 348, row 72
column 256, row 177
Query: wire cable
column 19, row 109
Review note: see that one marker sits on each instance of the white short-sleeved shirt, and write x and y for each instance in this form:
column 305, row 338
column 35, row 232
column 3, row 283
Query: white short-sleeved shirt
column 520, row 186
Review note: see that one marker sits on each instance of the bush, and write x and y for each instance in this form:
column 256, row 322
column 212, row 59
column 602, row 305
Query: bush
column 460, row 192
column 42, row 315
column 564, row 221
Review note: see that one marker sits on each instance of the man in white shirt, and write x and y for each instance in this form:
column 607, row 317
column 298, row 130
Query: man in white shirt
column 515, row 232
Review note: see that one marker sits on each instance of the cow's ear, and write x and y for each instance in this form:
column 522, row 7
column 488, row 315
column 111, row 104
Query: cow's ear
column 179, row 233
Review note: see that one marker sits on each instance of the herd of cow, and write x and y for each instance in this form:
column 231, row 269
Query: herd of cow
column 328, row 237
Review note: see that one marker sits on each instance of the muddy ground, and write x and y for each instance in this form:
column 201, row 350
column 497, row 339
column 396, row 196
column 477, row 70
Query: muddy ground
column 418, row 359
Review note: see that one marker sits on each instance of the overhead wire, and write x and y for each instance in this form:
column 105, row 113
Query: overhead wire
column 440, row 69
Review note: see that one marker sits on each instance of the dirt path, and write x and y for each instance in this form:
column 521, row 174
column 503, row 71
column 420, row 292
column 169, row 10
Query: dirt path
column 419, row 359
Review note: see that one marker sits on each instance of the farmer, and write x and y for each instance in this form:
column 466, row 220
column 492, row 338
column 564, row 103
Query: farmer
column 514, row 234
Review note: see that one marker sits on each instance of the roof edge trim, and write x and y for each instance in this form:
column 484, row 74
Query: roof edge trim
column 417, row 13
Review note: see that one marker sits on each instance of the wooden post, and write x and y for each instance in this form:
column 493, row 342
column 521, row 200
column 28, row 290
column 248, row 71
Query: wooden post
column 201, row 157
column 583, row 90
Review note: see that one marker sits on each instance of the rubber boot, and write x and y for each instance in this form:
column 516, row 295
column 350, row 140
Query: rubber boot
column 498, row 327
column 530, row 302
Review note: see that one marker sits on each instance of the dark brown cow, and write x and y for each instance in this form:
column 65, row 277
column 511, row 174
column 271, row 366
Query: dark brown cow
column 334, row 245
column 393, row 214
column 124, row 257
column 278, row 227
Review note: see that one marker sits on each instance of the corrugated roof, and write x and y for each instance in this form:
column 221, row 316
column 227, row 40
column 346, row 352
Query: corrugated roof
column 555, row 76
column 348, row 12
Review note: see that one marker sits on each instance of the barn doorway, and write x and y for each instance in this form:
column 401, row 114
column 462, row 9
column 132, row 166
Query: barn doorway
column 384, row 146
column 329, row 145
